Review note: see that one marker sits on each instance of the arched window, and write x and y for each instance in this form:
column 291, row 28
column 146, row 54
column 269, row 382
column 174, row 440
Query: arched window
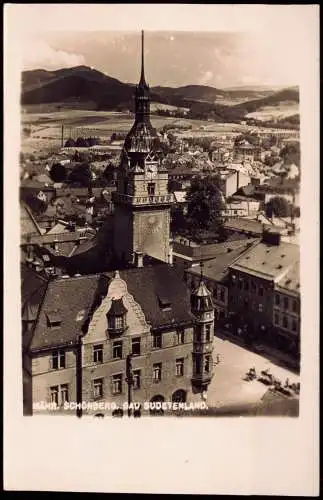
column 157, row 411
column 179, row 396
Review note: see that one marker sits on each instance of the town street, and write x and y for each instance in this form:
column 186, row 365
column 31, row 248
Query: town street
column 228, row 387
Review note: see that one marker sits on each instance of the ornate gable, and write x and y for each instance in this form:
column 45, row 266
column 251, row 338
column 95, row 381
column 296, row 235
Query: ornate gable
column 136, row 321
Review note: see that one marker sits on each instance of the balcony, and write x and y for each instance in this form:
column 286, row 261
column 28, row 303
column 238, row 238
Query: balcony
column 127, row 199
column 201, row 380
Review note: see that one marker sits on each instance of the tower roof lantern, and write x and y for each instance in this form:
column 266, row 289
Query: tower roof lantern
column 201, row 298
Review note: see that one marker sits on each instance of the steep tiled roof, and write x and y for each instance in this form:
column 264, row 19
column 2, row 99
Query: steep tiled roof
column 217, row 268
column 71, row 298
column 28, row 224
column 33, row 286
column 246, row 225
column 68, row 298
column 149, row 284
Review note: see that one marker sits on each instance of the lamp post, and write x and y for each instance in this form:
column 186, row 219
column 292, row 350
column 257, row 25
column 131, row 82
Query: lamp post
column 129, row 380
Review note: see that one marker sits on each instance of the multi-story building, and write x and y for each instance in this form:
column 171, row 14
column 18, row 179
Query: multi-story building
column 286, row 314
column 245, row 151
column 216, row 273
column 231, row 180
column 257, row 284
column 79, row 331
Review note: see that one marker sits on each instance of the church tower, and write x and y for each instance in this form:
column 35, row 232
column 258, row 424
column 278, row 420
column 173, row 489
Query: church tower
column 142, row 201
column 203, row 309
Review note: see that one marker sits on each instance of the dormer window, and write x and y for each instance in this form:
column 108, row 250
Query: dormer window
column 53, row 319
column 116, row 316
column 164, row 303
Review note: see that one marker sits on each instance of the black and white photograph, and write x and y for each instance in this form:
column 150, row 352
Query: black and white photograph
column 160, row 174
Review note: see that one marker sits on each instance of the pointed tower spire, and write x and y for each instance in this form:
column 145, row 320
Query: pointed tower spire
column 201, row 270
column 142, row 76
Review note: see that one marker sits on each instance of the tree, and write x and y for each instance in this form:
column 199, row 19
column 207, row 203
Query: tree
column 291, row 153
column 109, row 172
column 58, row 172
column 70, row 143
column 81, row 142
column 81, row 175
column 204, row 204
column 278, row 206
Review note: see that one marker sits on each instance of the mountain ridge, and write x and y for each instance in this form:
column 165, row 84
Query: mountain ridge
column 85, row 84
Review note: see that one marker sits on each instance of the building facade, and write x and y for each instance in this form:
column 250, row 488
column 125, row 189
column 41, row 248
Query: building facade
column 263, row 298
column 76, row 350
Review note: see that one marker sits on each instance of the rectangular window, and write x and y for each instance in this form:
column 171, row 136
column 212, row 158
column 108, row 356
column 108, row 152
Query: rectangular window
column 207, row 364
column 135, row 346
column 285, row 302
column 198, row 365
column 117, row 384
column 119, row 322
column 64, row 393
column 180, row 336
column 58, row 359
column 117, row 349
column 240, row 282
column 157, row 367
column 285, row 322
column 198, row 333
column 253, row 286
column 277, row 300
column 207, row 333
column 54, row 394
column 151, row 189
column 276, row 319
column 98, row 353
column 157, row 341
column 294, row 325
column 246, row 284
column 260, row 308
column 180, row 367
column 294, row 306
column 222, row 295
column 261, row 291
column 136, row 378
column 98, row 388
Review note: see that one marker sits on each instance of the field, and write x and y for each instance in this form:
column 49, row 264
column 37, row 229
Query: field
column 269, row 113
column 154, row 106
column 46, row 126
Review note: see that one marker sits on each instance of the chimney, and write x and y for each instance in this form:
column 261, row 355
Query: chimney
column 139, row 258
column 271, row 237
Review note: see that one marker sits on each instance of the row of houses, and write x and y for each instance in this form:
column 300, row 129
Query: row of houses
column 256, row 286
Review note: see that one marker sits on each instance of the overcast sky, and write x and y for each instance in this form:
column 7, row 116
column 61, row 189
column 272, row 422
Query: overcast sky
column 171, row 58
